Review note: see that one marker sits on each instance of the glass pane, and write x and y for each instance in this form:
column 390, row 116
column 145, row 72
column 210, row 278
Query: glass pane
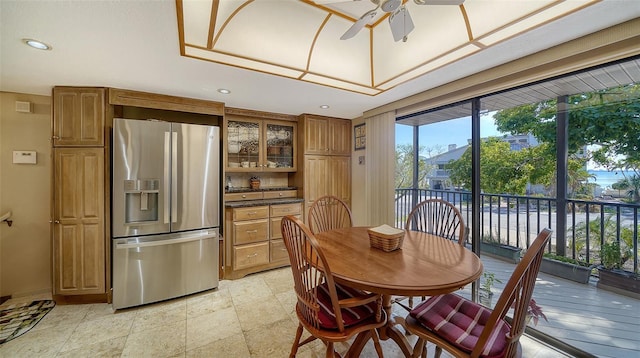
column 279, row 146
column 243, row 144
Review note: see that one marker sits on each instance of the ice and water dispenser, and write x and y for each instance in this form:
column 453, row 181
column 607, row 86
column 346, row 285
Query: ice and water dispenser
column 141, row 200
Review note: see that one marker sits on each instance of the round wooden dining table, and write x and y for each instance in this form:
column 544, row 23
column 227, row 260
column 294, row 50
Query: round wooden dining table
column 425, row 265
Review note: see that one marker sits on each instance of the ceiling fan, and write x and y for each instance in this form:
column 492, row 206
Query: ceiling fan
column 399, row 18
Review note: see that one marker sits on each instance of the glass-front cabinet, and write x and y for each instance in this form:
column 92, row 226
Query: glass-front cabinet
column 260, row 145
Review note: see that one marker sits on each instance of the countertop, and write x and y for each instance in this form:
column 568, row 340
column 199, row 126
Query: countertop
column 260, row 202
column 249, row 190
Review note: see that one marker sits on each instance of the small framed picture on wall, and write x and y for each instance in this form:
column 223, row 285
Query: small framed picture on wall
column 359, row 136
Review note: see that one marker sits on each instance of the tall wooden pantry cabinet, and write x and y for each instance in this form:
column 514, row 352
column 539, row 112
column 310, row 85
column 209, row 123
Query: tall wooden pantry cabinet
column 324, row 168
column 80, row 194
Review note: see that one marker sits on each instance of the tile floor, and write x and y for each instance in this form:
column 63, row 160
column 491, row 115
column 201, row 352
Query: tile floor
column 250, row 317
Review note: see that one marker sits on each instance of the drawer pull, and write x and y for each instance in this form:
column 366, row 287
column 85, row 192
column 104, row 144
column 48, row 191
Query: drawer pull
column 252, row 213
column 280, row 194
column 244, row 196
column 252, row 255
column 252, row 231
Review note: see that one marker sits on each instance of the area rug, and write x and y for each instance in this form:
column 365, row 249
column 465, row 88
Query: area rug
column 17, row 319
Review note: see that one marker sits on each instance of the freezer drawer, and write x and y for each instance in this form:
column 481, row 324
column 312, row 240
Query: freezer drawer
column 151, row 269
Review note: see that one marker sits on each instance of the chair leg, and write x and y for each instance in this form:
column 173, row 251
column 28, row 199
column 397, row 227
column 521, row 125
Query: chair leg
column 419, row 349
column 331, row 353
column 410, row 301
column 296, row 342
column 376, row 343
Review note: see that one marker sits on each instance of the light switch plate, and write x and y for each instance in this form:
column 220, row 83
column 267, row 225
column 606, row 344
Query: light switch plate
column 24, row 157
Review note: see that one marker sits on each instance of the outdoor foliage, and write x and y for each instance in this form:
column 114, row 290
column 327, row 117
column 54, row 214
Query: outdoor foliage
column 607, row 120
column 404, row 165
column 503, row 170
column 608, row 236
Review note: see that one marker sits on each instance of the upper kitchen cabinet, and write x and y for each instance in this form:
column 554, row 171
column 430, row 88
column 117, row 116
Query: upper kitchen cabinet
column 326, row 135
column 78, row 116
column 254, row 144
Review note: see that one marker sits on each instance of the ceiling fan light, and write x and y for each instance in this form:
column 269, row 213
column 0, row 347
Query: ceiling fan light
column 390, row 5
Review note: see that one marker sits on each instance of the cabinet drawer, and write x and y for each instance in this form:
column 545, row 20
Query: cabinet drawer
column 251, row 213
column 280, row 194
column 278, row 251
column 245, row 232
column 286, row 209
column 250, row 255
column 243, row 196
column 276, row 230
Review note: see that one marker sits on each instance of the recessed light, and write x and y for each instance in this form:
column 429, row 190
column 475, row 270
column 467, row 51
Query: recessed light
column 324, row 106
column 37, row 44
column 224, row 90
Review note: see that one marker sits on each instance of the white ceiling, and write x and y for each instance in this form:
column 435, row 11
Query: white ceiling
column 135, row 45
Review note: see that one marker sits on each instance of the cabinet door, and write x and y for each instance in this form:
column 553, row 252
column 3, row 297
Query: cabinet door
column 340, row 172
column 315, row 178
column 340, row 137
column 243, row 145
column 78, row 116
column 78, row 234
column 280, row 147
column 316, row 140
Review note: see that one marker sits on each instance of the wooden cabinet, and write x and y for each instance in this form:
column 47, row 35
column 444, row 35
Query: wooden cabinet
column 80, row 253
column 256, row 145
column 327, row 175
column 325, row 167
column 79, row 226
column 78, row 116
column 326, row 136
column 253, row 237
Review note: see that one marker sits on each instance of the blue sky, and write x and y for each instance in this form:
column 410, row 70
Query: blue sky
column 456, row 131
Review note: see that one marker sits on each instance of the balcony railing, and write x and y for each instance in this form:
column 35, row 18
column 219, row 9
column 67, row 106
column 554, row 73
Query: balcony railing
column 516, row 220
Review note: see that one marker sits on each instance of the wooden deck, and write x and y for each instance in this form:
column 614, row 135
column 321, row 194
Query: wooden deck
column 597, row 321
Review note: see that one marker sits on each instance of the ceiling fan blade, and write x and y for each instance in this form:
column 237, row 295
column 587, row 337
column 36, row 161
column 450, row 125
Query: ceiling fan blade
column 401, row 24
column 438, row 2
column 358, row 25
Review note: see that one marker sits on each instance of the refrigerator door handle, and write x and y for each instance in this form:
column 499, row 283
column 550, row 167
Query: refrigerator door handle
column 164, row 242
column 174, row 177
column 166, row 167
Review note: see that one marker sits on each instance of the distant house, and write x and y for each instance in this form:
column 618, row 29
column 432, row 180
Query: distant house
column 438, row 176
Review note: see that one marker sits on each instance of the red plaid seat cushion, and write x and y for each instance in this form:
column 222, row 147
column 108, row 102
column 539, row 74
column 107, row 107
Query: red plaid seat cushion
column 461, row 322
column 351, row 315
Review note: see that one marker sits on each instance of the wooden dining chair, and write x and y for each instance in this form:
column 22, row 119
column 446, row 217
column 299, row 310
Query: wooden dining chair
column 328, row 213
column 329, row 311
column 467, row 329
column 438, row 217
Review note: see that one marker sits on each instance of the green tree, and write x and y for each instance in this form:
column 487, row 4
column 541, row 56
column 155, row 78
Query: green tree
column 608, row 119
column 404, row 165
column 631, row 185
column 501, row 169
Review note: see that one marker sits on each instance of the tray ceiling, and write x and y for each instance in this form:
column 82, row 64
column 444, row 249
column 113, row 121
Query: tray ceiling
column 301, row 39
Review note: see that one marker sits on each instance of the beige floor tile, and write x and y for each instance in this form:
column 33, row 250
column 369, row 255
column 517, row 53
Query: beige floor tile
column 41, row 343
column 233, row 346
column 207, row 303
column 273, row 342
column 62, row 315
column 98, row 330
column 279, row 280
column 168, row 341
column 211, row 327
column 260, row 313
column 160, row 316
column 249, row 289
column 288, row 300
column 108, row 348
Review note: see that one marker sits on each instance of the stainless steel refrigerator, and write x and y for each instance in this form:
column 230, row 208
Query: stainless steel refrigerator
column 165, row 210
